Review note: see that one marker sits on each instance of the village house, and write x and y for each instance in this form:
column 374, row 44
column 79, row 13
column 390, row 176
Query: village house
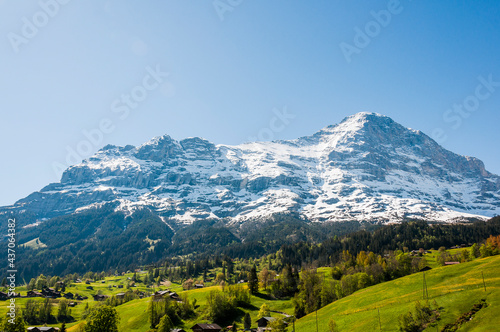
column 120, row 296
column 161, row 294
column 42, row 328
column 3, row 296
column 99, row 297
column 33, row 293
column 206, row 328
column 69, row 296
column 50, row 292
column 177, row 330
column 263, row 322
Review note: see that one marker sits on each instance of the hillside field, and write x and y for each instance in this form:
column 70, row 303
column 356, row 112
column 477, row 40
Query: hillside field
column 455, row 289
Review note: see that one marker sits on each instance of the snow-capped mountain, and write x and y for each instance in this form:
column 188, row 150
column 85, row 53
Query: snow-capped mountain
column 367, row 168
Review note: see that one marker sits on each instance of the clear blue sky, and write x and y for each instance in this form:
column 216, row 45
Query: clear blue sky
column 64, row 70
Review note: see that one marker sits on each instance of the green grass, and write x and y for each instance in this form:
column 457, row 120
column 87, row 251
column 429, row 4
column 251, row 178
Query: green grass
column 34, row 244
column 455, row 289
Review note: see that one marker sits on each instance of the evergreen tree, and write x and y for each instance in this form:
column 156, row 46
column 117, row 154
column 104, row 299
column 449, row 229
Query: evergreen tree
column 253, row 280
column 247, row 321
column 153, row 315
column 165, row 324
column 473, row 251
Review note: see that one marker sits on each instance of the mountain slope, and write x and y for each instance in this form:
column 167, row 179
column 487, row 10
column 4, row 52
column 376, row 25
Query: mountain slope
column 367, row 168
column 455, row 289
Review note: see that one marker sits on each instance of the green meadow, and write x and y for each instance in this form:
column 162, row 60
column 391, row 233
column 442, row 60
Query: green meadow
column 455, row 289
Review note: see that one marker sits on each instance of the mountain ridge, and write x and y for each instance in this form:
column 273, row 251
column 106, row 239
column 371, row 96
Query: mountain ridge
column 366, row 168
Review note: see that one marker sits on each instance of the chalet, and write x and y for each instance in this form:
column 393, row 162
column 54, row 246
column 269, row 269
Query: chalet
column 174, row 296
column 263, row 322
column 79, row 298
column 198, row 286
column 90, row 287
column 87, row 282
column 120, row 295
column 78, row 281
column 33, row 293
column 160, row 294
column 50, row 292
column 206, row 328
column 120, row 286
column 72, row 304
column 103, row 281
column 99, row 297
column 44, row 329
column 177, row 330
column 69, row 296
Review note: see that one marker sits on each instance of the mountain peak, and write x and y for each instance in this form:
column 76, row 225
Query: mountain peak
column 159, row 149
column 366, row 168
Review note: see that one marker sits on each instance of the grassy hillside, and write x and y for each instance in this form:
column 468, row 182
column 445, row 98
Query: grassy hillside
column 455, row 289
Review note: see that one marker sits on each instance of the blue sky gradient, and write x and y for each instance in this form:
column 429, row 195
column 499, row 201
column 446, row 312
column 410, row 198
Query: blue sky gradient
column 68, row 66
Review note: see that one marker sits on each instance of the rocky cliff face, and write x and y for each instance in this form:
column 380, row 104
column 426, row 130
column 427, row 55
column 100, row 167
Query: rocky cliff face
column 366, row 168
